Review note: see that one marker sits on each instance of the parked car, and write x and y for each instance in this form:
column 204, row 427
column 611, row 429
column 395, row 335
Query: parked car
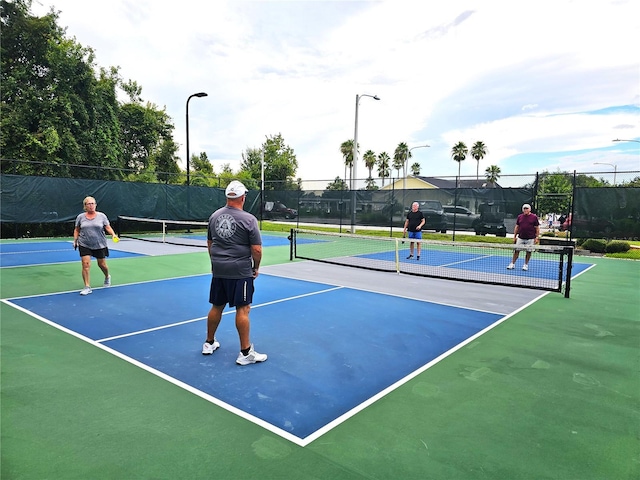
column 434, row 215
column 463, row 217
column 279, row 210
column 491, row 221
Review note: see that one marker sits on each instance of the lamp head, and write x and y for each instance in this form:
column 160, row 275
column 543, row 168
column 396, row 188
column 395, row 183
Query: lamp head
column 375, row 97
column 200, row 94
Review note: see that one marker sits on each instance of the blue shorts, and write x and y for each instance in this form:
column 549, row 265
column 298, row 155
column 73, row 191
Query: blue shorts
column 98, row 253
column 236, row 292
column 416, row 235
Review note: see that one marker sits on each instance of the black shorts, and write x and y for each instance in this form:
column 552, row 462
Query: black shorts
column 236, row 292
column 99, row 253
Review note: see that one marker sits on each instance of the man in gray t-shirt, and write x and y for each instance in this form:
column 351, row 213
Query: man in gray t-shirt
column 231, row 234
column 235, row 250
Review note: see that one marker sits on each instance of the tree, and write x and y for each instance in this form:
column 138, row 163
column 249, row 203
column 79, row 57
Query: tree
column 201, row 170
column 337, row 184
column 347, row 155
column 383, row 166
column 369, row 158
column 400, row 158
column 280, row 164
column 634, row 182
column 415, row 169
column 60, row 117
column 370, row 184
column 478, row 151
column 492, row 174
column 554, row 192
column 459, row 153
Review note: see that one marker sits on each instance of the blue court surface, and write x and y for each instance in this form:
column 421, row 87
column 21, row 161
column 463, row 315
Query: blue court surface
column 39, row 253
column 331, row 348
column 540, row 268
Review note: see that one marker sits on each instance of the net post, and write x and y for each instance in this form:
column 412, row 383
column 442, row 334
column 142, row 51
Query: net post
column 292, row 242
column 164, row 231
column 397, row 256
column 567, row 285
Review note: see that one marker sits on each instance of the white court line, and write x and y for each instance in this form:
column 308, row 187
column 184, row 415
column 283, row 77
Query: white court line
column 241, row 413
column 171, row 325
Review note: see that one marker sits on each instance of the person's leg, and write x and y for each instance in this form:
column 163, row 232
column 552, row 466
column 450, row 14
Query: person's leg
column 86, row 267
column 213, row 320
column 243, row 325
column 527, row 257
column 102, row 263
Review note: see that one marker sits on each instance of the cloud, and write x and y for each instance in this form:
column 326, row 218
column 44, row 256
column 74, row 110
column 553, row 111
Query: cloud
column 526, row 79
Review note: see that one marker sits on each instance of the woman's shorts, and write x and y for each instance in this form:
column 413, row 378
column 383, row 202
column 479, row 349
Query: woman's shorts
column 99, row 253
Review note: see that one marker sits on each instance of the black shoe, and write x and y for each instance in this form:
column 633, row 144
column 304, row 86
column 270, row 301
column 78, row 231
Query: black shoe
column 410, row 256
column 418, row 257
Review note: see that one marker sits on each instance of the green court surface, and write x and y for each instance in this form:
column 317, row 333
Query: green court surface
column 551, row 393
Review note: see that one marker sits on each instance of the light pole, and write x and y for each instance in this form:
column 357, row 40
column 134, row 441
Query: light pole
column 200, row 94
column 622, row 140
column 355, row 163
column 615, row 169
column 406, row 164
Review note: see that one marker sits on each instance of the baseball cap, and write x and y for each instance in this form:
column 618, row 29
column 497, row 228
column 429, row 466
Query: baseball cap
column 235, row 189
column 526, row 205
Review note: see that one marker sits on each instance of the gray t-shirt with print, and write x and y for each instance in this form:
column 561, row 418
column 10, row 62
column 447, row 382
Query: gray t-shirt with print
column 232, row 232
column 92, row 231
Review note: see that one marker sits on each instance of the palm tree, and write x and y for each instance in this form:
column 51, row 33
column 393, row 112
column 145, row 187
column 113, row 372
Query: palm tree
column 459, row 153
column 492, row 174
column 383, row 166
column 415, row 169
column 347, row 154
column 478, row 151
column 400, row 158
column 369, row 158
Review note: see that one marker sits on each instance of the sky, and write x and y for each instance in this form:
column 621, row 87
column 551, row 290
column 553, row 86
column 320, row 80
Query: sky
column 545, row 85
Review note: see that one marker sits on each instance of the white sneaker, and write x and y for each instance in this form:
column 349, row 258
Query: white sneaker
column 86, row 291
column 251, row 357
column 107, row 282
column 511, row 266
column 525, row 267
column 209, row 348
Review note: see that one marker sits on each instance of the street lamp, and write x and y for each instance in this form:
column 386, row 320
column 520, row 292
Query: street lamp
column 406, row 164
column 622, row 140
column 355, row 162
column 200, row 94
column 615, row 169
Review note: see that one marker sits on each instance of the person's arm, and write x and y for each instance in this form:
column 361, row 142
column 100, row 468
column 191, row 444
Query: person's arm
column 537, row 239
column 406, row 225
column 76, row 234
column 422, row 222
column 515, row 233
column 256, row 256
column 110, row 231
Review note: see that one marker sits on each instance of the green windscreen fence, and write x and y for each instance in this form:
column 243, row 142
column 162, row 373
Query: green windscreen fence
column 611, row 212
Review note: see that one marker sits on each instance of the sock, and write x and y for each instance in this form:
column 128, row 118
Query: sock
column 245, row 352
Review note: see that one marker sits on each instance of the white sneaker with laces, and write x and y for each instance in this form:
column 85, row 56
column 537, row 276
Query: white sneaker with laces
column 251, row 357
column 107, row 282
column 86, row 291
column 511, row 266
column 525, row 267
column 209, row 348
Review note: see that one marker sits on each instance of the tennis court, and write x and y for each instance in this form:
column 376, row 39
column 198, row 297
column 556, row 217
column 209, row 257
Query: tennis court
column 370, row 374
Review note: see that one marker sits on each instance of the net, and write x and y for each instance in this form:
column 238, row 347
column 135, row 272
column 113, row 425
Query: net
column 549, row 267
column 176, row 232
